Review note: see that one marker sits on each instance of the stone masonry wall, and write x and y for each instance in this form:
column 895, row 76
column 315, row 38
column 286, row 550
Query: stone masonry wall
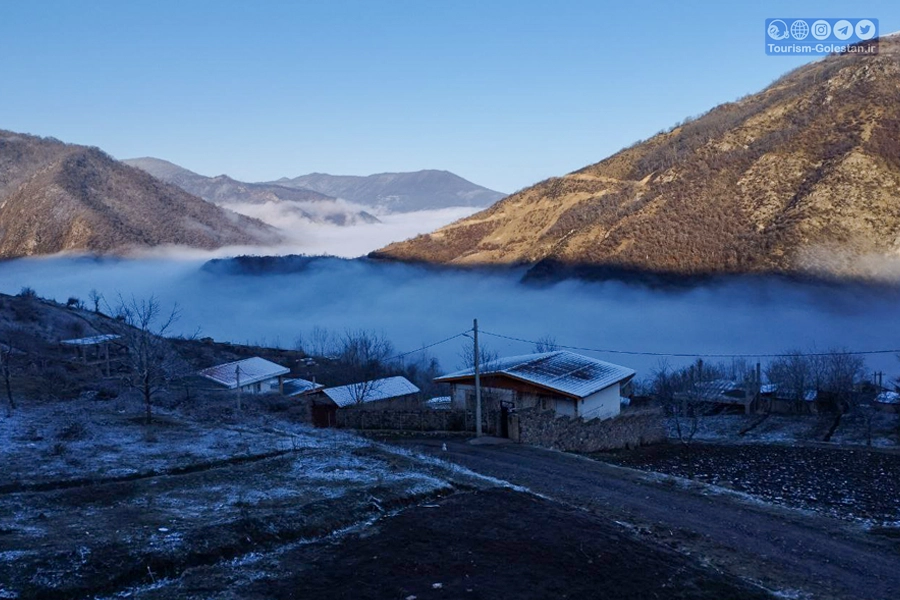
column 628, row 430
column 418, row 420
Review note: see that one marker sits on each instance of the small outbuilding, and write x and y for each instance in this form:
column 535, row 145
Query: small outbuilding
column 252, row 375
column 567, row 383
column 94, row 350
column 389, row 393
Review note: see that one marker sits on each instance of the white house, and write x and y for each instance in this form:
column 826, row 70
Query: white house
column 567, row 383
column 252, row 375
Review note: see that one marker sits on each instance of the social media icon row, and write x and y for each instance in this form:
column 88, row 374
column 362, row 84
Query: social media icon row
column 864, row 29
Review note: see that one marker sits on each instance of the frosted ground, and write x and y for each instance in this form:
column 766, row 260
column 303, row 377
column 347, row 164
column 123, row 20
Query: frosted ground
column 91, row 500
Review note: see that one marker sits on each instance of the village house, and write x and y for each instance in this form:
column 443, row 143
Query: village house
column 389, row 393
column 252, row 376
column 569, row 384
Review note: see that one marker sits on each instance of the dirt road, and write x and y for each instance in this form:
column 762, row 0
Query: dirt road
column 785, row 550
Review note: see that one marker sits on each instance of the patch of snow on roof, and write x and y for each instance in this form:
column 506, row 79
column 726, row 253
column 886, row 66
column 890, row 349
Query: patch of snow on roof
column 439, row 403
column 888, row 398
column 371, row 391
column 91, row 341
column 252, row 370
column 296, row 387
column 562, row 371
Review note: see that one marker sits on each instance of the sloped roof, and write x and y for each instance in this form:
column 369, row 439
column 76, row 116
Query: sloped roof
column 295, row 387
column 564, row 372
column 888, row 398
column 719, row 387
column 371, row 391
column 91, row 341
column 439, row 403
column 252, row 370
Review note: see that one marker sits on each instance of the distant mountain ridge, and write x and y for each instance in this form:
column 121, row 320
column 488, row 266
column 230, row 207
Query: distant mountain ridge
column 58, row 197
column 230, row 193
column 399, row 192
column 801, row 178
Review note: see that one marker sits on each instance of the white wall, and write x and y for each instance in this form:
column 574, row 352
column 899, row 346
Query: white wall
column 267, row 386
column 601, row 405
column 564, row 407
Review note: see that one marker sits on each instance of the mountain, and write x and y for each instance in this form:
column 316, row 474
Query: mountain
column 236, row 195
column 56, row 197
column 399, row 192
column 801, row 178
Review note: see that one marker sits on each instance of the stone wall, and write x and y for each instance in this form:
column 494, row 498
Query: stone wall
column 628, row 430
column 414, row 420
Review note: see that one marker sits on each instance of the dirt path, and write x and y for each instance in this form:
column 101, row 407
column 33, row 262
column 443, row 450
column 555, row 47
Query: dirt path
column 783, row 549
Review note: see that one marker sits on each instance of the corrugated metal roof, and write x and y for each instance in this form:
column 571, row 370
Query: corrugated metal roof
column 295, row 387
column 565, row 372
column 252, row 370
column 91, row 341
column 371, row 391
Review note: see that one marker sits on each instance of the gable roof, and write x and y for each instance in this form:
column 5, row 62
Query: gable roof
column 296, row 387
column 371, row 391
column 252, row 370
column 564, row 372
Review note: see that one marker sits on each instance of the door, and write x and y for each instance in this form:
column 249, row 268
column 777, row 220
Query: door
column 504, row 418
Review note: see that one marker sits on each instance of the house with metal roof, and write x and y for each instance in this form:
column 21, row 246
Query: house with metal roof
column 569, row 384
column 378, row 394
column 252, row 375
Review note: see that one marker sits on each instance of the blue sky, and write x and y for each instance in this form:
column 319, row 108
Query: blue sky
column 502, row 93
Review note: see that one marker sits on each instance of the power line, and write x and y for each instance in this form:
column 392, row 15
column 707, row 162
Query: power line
column 693, row 354
column 432, row 345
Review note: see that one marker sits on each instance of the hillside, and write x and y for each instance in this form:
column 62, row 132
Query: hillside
column 399, row 192
column 60, row 197
column 803, row 177
column 230, row 193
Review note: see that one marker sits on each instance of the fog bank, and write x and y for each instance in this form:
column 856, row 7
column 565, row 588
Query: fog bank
column 415, row 306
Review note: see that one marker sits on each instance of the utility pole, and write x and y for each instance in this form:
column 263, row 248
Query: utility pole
column 477, row 383
column 237, row 376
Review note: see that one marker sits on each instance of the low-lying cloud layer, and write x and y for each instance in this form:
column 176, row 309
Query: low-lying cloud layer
column 415, row 306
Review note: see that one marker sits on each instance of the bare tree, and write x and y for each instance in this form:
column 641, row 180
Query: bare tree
column 794, row 375
column 319, row 342
column 364, row 356
column 687, row 394
column 546, row 343
column 485, row 355
column 833, row 376
column 840, row 376
column 151, row 360
column 422, row 370
column 6, row 352
column 96, row 299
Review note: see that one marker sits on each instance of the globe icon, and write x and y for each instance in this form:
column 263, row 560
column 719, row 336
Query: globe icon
column 799, row 29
